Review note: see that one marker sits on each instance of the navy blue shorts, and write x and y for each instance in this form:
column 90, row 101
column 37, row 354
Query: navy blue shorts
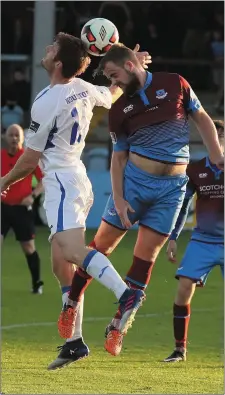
column 157, row 200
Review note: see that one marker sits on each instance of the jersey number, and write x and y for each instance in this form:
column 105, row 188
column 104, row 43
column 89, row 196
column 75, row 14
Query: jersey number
column 73, row 137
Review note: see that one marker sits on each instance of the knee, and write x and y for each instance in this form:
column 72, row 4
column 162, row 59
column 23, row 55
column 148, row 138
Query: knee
column 75, row 255
column 28, row 247
column 185, row 292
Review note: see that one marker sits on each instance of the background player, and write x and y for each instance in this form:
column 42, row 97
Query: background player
column 16, row 206
column 61, row 115
column 206, row 248
column 150, row 132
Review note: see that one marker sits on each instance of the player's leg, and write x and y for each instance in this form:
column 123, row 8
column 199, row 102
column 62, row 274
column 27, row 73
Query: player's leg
column 98, row 266
column 147, row 247
column 198, row 261
column 67, row 227
column 23, row 226
column 105, row 241
column 159, row 202
column 74, row 348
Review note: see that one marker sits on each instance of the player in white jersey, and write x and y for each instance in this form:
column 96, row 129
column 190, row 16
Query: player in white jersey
column 61, row 115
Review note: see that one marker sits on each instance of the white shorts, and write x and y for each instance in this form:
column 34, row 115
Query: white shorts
column 68, row 199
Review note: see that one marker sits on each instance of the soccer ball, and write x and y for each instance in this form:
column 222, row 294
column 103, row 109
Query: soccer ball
column 98, row 35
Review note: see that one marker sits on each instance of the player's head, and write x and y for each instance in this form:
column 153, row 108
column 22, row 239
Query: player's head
column 66, row 57
column 14, row 137
column 219, row 124
column 121, row 66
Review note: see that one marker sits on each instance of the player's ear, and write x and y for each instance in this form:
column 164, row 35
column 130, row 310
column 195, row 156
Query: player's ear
column 129, row 66
column 58, row 65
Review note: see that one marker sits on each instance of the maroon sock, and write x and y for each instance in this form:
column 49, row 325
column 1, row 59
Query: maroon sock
column 181, row 318
column 139, row 275
column 81, row 280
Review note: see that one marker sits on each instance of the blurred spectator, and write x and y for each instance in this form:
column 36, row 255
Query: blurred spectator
column 127, row 36
column 152, row 41
column 217, row 47
column 218, row 22
column 22, row 36
column 116, row 11
column 11, row 113
column 21, row 89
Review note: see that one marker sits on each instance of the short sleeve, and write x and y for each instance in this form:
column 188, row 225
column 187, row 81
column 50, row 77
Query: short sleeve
column 42, row 121
column 191, row 101
column 101, row 96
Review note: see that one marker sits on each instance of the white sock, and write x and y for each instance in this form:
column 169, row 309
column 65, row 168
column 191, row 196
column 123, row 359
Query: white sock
column 78, row 323
column 99, row 267
column 65, row 298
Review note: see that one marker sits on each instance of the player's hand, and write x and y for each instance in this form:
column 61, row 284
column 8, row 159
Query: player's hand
column 172, row 251
column 144, row 58
column 122, row 208
column 4, row 193
column 27, row 201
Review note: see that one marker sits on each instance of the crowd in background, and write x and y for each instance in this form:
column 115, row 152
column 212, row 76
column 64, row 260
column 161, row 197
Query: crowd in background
column 168, row 30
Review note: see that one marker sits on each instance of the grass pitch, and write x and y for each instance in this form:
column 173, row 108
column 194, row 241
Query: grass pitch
column 29, row 333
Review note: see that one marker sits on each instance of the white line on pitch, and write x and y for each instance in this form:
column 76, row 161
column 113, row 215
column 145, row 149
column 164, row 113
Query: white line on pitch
column 93, row 319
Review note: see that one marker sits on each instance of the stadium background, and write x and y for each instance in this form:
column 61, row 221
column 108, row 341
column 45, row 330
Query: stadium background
column 181, row 38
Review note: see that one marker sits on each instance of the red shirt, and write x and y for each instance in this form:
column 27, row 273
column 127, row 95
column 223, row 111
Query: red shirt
column 17, row 192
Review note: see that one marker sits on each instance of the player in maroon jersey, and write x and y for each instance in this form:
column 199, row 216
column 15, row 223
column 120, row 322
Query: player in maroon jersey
column 150, row 133
column 16, row 205
column 206, row 248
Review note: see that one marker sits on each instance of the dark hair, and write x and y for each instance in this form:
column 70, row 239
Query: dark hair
column 219, row 124
column 117, row 54
column 72, row 54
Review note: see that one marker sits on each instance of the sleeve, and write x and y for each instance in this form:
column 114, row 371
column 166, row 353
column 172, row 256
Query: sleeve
column 191, row 101
column 42, row 122
column 181, row 220
column 101, row 96
column 38, row 173
column 118, row 136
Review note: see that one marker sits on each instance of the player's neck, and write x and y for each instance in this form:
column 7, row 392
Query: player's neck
column 58, row 80
column 142, row 75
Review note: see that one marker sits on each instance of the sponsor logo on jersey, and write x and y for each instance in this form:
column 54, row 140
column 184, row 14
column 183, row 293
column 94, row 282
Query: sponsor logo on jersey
column 113, row 137
column 202, row 175
column 204, row 188
column 128, row 108
column 74, row 97
column 152, row 108
column 34, row 126
column 161, row 94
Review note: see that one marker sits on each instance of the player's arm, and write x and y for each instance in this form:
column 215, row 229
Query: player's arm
column 181, row 220
column 209, row 136
column 203, row 123
column 39, row 189
column 118, row 164
column 29, row 200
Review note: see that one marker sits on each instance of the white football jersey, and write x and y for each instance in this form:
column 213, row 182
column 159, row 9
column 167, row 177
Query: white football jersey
column 60, row 120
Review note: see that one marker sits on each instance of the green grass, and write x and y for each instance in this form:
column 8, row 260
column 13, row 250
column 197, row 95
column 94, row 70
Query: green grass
column 26, row 351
